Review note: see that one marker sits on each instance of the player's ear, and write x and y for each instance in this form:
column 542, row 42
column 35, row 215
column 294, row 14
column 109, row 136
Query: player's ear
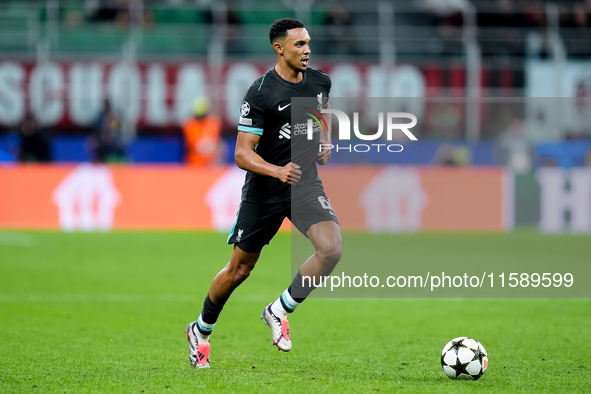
column 278, row 47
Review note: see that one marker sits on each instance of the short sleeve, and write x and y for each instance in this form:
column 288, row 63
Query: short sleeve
column 327, row 86
column 252, row 110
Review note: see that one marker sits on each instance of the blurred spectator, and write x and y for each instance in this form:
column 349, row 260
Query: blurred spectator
column 534, row 13
column 339, row 32
column 574, row 15
column 229, row 16
column 106, row 141
column 444, row 119
column 501, row 31
column 449, row 155
column 35, row 143
column 514, row 147
column 235, row 36
column 103, row 10
column 574, row 151
column 122, row 12
column 582, row 15
column 202, row 133
column 504, row 26
column 575, row 21
column 448, row 15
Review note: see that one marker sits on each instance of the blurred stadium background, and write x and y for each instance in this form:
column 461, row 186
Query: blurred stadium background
column 495, row 83
column 502, row 91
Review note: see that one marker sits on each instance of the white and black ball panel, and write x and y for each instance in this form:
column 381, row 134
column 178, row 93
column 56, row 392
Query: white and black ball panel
column 449, row 371
column 450, row 358
column 446, row 347
column 474, row 367
column 458, row 339
column 470, row 343
column 482, row 349
column 464, row 358
column 465, row 355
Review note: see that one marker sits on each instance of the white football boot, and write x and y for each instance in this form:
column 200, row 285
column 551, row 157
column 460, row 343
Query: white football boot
column 279, row 329
column 198, row 351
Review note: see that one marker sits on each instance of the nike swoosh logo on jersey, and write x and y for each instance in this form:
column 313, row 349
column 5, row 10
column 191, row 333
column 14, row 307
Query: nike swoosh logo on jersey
column 280, row 108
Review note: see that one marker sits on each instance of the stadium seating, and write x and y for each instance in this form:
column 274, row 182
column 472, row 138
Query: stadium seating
column 431, row 35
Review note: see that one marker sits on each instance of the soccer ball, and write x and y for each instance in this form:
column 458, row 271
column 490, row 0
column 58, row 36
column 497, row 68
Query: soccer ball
column 464, row 358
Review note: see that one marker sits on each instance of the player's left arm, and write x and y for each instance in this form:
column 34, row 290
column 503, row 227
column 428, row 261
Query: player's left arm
column 325, row 139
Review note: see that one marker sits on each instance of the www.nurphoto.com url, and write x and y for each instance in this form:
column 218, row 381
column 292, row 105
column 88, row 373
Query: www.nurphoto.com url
column 439, row 281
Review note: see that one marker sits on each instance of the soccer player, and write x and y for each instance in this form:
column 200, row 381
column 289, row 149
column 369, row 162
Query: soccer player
column 273, row 181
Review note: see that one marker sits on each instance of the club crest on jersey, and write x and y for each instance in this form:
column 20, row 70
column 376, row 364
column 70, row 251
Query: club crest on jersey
column 244, row 108
column 319, row 98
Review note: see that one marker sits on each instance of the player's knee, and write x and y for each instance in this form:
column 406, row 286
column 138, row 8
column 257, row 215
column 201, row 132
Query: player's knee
column 331, row 254
column 242, row 273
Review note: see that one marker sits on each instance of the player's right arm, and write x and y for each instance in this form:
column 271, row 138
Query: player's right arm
column 247, row 159
column 250, row 129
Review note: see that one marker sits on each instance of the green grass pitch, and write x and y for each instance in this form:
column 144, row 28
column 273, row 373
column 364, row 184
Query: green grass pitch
column 107, row 313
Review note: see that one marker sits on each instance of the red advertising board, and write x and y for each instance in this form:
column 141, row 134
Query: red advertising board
column 370, row 198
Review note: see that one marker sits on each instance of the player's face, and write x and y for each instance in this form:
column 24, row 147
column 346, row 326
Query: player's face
column 296, row 49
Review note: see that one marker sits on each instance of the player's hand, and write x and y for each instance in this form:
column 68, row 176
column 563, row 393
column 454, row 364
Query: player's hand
column 290, row 173
column 324, row 155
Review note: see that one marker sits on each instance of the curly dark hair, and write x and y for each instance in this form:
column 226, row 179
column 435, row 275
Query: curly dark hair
column 281, row 26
